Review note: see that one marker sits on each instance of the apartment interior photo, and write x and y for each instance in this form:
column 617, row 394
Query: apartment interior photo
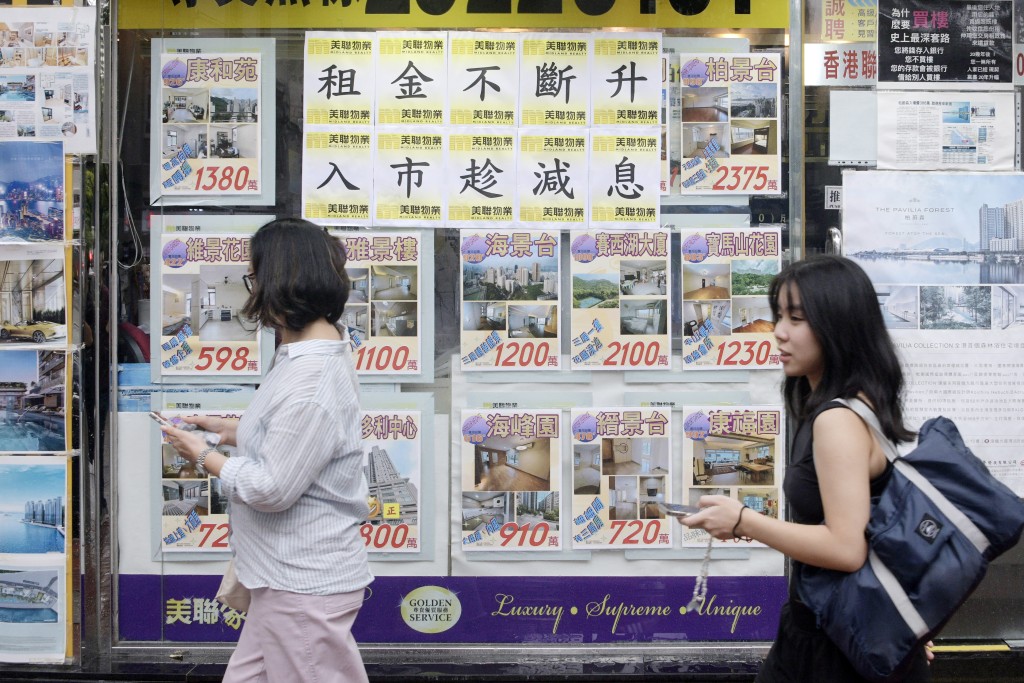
column 512, row 463
column 752, row 314
column 1007, row 307
column 697, row 313
column 394, row 319
column 355, row 318
column 393, row 283
column 640, row 278
column 753, row 137
column 586, row 469
column 535, row 321
column 483, row 315
column 900, row 305
column 480, row 508
column 705, row 105
column 734, row 460
column 707, row 281
column 211, row 302
column 643, row 317
column 697, row 137
column 359, row 285
column 634, row 455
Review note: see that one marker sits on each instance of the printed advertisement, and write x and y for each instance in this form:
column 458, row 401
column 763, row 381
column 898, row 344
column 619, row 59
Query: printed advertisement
column 412, row 77
column 33, row 400
column 727, row 322
column 339, row 79
column 392, row 443
column 409, row 176
column 383, row 310
column 625, row 177
column 207, row 123
column 510, row 300
column 626, row 81
column 849, row 20
column 511, row 478
column 924, row 43
column 34, row 605
column 194, row 506
column 943, row 252
column 201, row 274
column 621, row 308
column 931, row 131
column 47, row 76
column 481, row 177
column 731, row 142
column 33, row 507
column 34, row 295
column 738, row 452
column 553, row 165
column 554, row 81
column 621, row 478
column 32, row 205
column 484, row 78
column 337, row 175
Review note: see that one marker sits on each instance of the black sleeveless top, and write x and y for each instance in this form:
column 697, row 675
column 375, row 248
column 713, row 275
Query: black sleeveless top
column 801, row 483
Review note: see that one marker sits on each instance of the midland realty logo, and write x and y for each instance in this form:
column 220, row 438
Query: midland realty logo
column 431, row 609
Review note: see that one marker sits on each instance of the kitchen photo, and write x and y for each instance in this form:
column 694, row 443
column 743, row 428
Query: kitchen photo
column 393, row 319
column 210, row 302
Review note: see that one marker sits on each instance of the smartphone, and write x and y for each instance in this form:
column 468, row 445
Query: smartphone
column 679, row 510
column 160, row 419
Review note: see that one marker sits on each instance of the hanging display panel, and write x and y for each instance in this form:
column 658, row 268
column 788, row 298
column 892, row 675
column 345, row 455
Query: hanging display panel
column 510, row 298
column 392, row 444
column 727, row 322
column 209, row 142
column 34, row 297
column 383, row 312
column 33, row 395
column 737, row 452
column 33, row 205
column 511, row 480
column 621, row 306
column 731, row 136
column 622, row 478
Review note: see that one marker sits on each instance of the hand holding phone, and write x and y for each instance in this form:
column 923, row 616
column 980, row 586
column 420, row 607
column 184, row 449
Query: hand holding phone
column 160, row 419
column 674, row 510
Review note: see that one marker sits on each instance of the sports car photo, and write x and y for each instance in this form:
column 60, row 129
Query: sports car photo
column 38, row 330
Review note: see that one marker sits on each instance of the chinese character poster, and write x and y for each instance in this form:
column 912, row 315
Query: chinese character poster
column 848, row 21
column 554, row 82
column 511, row 478
column 481, row 177
column 553, row 176
column 626, row 80
column 621, row 306
column 510, row 300
column 339, row 79
column 737, row 452
column 412, row 77
column 731, row 142
column 409, row 176
column 383, row 310
column 621, row 478
column 392, row 444
column 727, row 322
column 337, row 175
column 625, row 177
column 483, row 85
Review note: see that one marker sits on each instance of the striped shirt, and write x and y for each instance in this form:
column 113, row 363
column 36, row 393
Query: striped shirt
column 297, row 489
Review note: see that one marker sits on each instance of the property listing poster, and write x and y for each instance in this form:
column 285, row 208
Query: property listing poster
column 412, row 77
column 36, row 301
column 199, row 277
column 207, row 122
column 33, row 397
column 193, row 503
column 483, row 85
column 392, row 442
column 735, row 451
column 481, row 177
column 626, row 81
column 554, row 81
column 511, row 479
column 931, row 131
column 47, row 76
column 621, row 308
column 33, row 204
column 409, row 176
column 727, row 322
column 339, row 78
column 621, row 477
column 553, row 177
column 35, row 493
column 337, row 174
column 625, row 177
column 730, row 123
column 510, row 300
column 943, row 252
column 383, row 310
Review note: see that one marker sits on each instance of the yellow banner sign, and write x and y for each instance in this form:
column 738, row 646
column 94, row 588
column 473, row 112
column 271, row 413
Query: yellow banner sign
column 329, row 14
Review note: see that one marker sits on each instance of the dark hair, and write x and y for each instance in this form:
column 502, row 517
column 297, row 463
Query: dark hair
column 841, row 307
column 299, row 273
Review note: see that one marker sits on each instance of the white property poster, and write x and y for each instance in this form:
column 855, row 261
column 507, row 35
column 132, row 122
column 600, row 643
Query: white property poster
column 943, row 252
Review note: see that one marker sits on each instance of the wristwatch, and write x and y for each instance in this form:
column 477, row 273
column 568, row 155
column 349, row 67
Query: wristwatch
column 201, row 460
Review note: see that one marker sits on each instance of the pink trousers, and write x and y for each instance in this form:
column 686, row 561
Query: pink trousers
column 296, row 637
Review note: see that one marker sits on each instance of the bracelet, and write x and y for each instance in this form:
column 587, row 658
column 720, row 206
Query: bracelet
column 739, row 519
column 201, row 460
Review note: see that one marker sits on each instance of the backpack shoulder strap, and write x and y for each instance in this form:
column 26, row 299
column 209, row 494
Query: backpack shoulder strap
column 865, row 413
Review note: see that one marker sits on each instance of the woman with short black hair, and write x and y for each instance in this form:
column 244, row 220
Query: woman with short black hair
column 297, row 490
column 833, row 344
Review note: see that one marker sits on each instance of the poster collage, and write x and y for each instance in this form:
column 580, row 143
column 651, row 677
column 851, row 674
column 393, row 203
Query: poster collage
column 46, row 92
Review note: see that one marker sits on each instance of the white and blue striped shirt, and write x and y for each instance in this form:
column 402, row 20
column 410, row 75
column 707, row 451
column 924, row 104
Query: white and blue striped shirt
column 297, row 489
